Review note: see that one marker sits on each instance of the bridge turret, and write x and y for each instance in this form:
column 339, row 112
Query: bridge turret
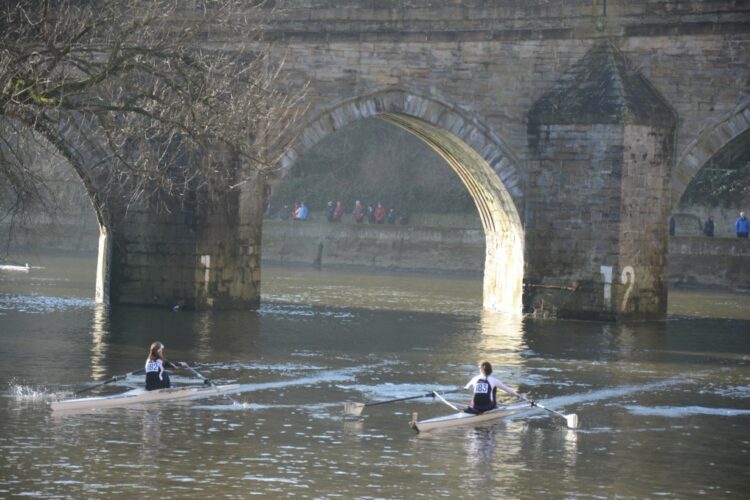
column 601, row 148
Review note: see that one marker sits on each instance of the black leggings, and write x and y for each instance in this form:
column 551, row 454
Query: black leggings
column 153, row 381
column 475, row 411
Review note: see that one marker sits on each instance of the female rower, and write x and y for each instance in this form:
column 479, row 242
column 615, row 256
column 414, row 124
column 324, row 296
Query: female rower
column 485, row 388
column 156, row 363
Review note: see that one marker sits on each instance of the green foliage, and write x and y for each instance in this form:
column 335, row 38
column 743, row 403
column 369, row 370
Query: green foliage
column 719, row 187
column 725, row 179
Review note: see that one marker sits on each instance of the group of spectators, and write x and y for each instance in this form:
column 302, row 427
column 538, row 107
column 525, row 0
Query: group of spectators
column 298, row 212
column 373, row 213
column 741, row 226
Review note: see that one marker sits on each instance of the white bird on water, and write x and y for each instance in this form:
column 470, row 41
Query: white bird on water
column 15, row 267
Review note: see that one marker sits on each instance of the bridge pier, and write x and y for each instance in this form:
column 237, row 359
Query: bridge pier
column 207, row 261
column 598, row 194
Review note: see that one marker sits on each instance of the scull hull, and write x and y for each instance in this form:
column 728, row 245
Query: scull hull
column 137, row 396
column 461, row 418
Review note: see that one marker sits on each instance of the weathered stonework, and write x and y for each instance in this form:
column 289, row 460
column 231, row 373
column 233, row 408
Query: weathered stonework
column 598, row 193
column 488, row 63
column 464, row 75
column 179, row 260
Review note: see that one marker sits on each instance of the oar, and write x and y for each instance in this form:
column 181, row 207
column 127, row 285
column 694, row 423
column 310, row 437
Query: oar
column 209, row 382
column 571, row 420
column 113, row 379
column 352, row 409
column 441, row 398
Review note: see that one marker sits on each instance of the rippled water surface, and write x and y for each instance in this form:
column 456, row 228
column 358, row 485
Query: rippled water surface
column 664, row 408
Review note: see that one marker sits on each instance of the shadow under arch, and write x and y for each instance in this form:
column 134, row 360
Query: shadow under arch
column 483, row 163
column 709, row 142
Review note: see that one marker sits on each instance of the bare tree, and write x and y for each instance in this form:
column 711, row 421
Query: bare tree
column 179, row 115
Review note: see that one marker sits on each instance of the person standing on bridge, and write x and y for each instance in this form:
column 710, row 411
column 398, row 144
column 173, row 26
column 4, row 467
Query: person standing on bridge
column 302, row 212
column 359, row 212
column 485, row 390
column 156, row 365
column 708, row 227
column 338, row 212
column 379, row 214
column 742, row 226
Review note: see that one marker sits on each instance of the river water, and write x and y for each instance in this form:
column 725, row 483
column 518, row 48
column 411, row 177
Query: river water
column 664, row 408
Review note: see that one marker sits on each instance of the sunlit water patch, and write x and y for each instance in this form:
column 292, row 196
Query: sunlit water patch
column 298, row 364
column 42, row 304
column 286, row 308
column 684, row 411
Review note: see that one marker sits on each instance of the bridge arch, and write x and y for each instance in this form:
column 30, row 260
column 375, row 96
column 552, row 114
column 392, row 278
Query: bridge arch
column 483, row 163
column 708, row 143
column 90, row 162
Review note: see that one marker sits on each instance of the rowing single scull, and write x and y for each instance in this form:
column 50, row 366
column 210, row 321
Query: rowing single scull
column 136, row 396
column 462, row 418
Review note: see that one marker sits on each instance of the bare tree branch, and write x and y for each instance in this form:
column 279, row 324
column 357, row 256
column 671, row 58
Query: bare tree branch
column 181, row 120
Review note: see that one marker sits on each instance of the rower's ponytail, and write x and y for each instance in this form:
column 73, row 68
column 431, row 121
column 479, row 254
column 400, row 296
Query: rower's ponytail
column 154, row 351
column 486, row 368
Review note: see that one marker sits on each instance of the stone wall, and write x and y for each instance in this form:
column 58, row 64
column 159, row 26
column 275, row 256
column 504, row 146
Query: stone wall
column 495, row 59
column 701, row 262
column 153, row 260
column 412, row 248
column 697, row 262
column 675, row 70
column 207, row 260
column 466, row 74
column 689, row 219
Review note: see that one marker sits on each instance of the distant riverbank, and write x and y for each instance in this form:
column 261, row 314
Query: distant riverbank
column 430, row 243
column 693, row 261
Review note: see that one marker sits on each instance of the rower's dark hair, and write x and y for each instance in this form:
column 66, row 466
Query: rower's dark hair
column 153, row 351
column 486, row 368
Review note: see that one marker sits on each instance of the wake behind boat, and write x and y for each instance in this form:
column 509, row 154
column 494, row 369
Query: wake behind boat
column 12, row 266
column 137, row 396
column 463, row 418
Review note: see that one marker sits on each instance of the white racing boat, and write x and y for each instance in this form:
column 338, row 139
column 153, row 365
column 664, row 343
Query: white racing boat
column 143, row 396
column 462, row 418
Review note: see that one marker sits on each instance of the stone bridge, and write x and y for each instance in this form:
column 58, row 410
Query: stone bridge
column 576, row 126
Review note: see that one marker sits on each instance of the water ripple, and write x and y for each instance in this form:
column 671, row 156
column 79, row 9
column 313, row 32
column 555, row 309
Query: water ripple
column 684, row 411
column 42, row 304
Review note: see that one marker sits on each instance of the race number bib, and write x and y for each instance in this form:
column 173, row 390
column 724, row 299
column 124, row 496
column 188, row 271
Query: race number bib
column 481, row 388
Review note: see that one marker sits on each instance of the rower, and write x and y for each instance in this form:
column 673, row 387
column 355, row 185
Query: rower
column 156, row 364
column 485, row 390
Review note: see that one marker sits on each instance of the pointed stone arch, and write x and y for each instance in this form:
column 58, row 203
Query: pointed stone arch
column 482, row 161
column 708, row 143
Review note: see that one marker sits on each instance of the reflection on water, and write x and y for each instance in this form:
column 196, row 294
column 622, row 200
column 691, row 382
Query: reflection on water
column 709, row 304
column 664, row 407
column 501, row 338
column 370, row 290
column 99, row 328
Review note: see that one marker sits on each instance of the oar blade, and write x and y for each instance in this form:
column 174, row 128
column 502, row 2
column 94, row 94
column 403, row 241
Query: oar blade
column 572, row 420
column 352, row 409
